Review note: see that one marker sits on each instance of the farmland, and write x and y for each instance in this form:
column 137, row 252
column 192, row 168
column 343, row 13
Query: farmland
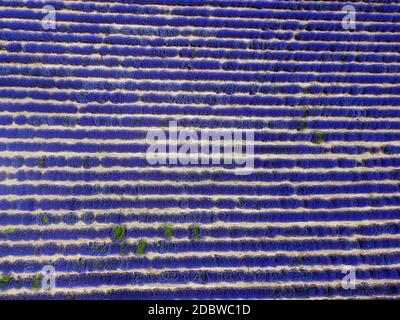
column 77, row 193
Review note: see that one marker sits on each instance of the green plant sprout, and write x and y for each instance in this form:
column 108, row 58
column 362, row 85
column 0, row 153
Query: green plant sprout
column 37, row 282
column 42, row 162
column 141, row 249
column 320, row 137
column 196, row 232
column 301, row 125
column 169, row 232
column 5, row 281
column 120, row 233
column 45, row 219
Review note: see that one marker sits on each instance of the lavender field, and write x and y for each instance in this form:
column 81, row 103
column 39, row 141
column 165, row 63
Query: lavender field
column 86, row 214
